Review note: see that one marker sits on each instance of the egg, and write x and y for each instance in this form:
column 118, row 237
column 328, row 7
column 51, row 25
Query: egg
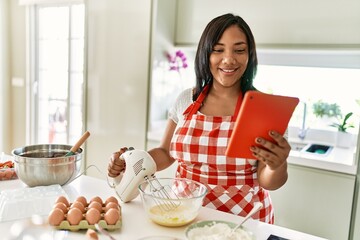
column 83, row 200
column 78, row 205
column 95, row 205
column 91, row 234
column 61, row 206
column 63, row 200
column 112, row 216
column 56, row 216
column 96, row 199
column 93, row 216
column 111, row 199
column 74, row 216
column 111, row 205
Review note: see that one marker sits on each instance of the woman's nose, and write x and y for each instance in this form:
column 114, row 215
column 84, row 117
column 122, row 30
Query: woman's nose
column 228, row 59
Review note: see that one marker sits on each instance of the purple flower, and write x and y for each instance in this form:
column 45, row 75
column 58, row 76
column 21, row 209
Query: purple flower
column 177, row 61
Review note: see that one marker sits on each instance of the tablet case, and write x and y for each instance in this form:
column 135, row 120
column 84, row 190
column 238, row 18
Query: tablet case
column 259, row 113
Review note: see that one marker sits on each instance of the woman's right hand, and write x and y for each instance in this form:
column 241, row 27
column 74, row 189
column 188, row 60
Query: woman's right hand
column 116, row 164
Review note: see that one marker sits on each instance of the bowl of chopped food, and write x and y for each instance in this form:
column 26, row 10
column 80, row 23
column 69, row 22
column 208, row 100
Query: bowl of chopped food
column 217, row 229
column 7, row 170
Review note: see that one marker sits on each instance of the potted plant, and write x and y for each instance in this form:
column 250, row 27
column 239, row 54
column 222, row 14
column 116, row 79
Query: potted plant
column 322, row 109
column 343, row 137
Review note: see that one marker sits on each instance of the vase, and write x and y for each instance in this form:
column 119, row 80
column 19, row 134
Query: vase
column 343, row 139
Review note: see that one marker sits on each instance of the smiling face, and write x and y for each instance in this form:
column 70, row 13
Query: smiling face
column 229, row 57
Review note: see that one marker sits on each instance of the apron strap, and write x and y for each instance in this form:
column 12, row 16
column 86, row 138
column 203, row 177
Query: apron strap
column 195, row 106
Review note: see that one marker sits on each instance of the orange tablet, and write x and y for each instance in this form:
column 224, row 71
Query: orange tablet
column 259, row 113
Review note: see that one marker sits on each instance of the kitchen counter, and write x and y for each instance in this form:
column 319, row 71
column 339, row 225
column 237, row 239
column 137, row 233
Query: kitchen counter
column 136, row 224
column 339, row 159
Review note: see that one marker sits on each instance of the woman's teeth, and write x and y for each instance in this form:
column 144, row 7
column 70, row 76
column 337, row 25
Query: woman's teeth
column 228, row 70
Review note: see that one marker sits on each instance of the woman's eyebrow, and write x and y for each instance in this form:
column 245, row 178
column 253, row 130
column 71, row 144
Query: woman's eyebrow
column 237, row 43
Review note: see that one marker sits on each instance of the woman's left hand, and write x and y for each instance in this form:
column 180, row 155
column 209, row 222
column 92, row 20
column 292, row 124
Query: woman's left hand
column 272, row 154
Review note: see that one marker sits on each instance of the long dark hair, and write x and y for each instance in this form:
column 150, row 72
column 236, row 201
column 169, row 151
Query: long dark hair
column 211, row 36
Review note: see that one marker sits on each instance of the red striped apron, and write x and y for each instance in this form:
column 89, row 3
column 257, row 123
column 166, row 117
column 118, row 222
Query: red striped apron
column 199, row 147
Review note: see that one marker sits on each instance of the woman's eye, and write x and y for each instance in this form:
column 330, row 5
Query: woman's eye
column 217, row 50
column 239, row 50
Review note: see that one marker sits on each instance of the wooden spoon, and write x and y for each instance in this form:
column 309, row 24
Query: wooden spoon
column 78, row 144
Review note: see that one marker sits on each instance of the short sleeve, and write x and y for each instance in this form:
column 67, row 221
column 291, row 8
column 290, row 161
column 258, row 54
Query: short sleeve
column 181, row 103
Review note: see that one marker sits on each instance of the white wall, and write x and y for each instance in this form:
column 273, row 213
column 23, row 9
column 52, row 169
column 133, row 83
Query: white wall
column 277, row 22
column 118, row 72
column 4, row 74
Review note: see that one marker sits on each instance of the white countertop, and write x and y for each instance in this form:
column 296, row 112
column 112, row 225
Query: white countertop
column 340, row 160
column 136, row 224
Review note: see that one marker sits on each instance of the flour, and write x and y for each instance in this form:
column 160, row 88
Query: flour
column 217, row 231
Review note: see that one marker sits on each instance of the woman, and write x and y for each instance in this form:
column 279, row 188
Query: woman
column 202, row 120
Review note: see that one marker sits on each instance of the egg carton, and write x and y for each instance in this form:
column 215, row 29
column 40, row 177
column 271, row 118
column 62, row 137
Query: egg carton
column 84, row 224
column 65, row 225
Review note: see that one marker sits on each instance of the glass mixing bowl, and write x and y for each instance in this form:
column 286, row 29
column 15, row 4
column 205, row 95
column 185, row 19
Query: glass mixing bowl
column 172, row 202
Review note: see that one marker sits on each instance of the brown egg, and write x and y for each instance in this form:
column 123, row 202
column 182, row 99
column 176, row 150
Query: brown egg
column 111, row 205
column 96, row 199
column 83, row 200
column 74, row 216
column 63, row 200
column 78, row 205
column 111, row 199
column 95, row 205
column 56, row 216
column 61, row 206
column 112, row 216
column 93, row 216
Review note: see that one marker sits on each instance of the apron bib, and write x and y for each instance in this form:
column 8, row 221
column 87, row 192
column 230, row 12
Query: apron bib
column 199, row 146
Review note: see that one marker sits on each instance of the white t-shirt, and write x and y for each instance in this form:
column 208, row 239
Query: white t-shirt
column 182, row 102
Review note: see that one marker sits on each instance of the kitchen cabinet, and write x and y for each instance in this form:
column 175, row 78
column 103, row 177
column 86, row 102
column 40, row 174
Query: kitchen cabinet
column 281, row 22
column 356, row 210
column 315, row 201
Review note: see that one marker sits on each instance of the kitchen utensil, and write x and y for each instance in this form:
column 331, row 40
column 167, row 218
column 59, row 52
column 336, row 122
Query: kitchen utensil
column 103, row 231
column 185, row 194
column 46, row 164
column 78, row 144
column 256, row 208
column 139, row 165
column 162, row 192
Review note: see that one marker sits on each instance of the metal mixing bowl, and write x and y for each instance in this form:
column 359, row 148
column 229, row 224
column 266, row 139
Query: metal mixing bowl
column 46, row 164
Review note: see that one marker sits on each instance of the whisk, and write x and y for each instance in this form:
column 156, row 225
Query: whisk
column 164, row 196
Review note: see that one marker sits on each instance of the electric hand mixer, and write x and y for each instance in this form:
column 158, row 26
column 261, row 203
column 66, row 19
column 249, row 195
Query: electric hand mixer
column 140, row 167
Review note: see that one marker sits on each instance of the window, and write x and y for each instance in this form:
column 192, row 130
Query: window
column 57, row 73
column 327, row 76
